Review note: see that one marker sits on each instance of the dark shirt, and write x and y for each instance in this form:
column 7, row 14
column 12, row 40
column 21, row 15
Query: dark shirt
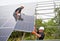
column 42, row 35
column 18, row 9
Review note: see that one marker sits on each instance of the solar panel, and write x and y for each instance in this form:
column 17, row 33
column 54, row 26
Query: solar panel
column 10, row 23
column 3, row 38
column 5, row 33
column 6, row 28
column 2, row 21
column 27, row 25
column 7, row 21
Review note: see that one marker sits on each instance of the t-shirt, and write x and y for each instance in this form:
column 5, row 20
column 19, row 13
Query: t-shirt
column 18, row 9
column 42, row 35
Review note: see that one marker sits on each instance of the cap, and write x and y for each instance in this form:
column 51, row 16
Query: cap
column 41, row 28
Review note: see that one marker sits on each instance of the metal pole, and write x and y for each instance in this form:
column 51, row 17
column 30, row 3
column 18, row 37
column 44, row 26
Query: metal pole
column 35, row 25
column 23, row 35
column 54, row 6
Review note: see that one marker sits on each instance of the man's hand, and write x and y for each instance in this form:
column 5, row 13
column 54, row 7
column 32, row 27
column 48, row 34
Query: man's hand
column 38, row 35
column 33, row 32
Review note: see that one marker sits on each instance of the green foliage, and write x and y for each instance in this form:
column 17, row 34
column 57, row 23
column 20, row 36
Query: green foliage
column 51, row 28
column 57, row 10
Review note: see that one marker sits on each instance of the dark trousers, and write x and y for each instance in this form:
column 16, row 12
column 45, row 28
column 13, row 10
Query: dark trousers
column 15, row 17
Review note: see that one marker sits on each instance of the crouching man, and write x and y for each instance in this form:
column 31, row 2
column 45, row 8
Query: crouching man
column 17, row 13
column 40, row 34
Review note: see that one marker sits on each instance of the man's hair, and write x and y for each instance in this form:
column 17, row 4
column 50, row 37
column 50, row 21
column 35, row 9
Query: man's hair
column 22, row 6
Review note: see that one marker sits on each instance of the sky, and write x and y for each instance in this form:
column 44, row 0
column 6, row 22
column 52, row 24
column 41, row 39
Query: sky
column 10, row 2
column 7, row 2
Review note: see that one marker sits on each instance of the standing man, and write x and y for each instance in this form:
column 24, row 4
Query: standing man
column 40, row 34
column 17, row 13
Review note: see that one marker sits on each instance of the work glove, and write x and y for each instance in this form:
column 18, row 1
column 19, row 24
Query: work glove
column 33, row 32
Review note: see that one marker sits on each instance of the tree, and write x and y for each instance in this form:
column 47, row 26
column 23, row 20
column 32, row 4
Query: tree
column 57, row 10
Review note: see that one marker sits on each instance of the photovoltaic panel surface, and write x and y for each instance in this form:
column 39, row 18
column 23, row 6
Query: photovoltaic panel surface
column 5, row 32
column 27, row 25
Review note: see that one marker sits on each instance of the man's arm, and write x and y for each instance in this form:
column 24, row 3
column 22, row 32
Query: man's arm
column 35, row 32
column 17, row 12
column 38, row 35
